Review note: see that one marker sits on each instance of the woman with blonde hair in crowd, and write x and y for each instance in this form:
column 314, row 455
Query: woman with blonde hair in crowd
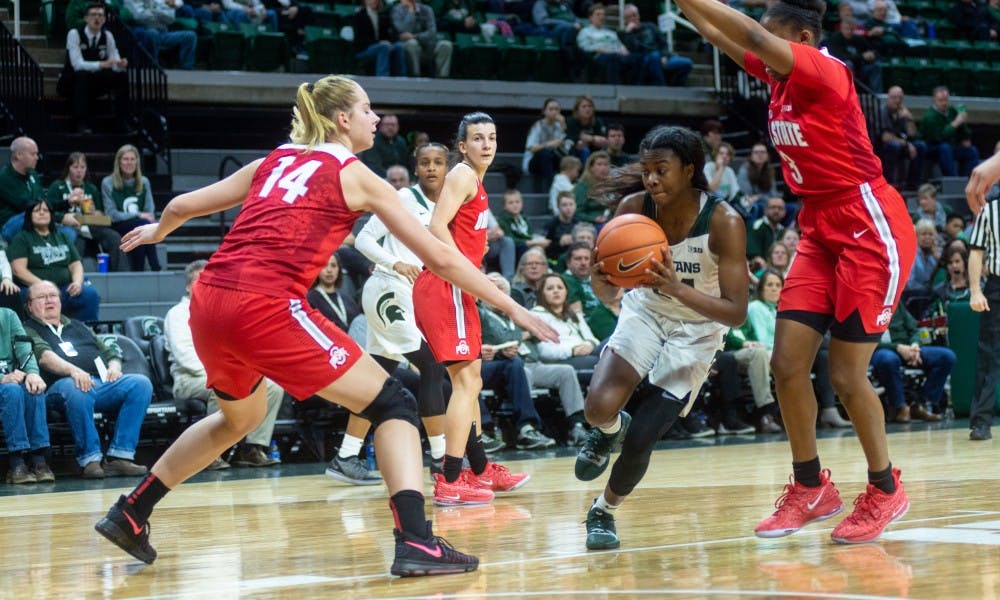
column 128, row 200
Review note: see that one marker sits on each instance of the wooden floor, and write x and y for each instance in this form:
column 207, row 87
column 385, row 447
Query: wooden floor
column 686, row 532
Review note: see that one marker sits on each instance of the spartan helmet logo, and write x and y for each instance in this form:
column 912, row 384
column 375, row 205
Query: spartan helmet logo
column 388, row 310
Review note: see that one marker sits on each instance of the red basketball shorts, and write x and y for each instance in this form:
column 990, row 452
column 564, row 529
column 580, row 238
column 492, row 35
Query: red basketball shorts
column 855, row 255
column 448, row 318
column 240, row 336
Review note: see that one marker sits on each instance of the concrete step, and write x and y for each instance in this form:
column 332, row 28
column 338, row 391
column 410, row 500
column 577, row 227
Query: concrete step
column 119, row 311
column 164, row 286
column 47, row 56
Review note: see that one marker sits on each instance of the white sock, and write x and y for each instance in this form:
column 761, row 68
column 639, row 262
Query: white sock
column 617, row 425
column 602, row 504
column 351, row 446
column 437, row 446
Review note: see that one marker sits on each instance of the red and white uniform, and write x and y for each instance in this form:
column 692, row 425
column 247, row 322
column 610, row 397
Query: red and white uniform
column 858, row 242
column 249, row 317
column 446, row 315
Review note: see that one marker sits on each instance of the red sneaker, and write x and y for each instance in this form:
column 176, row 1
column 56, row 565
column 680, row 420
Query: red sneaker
column 800, row 505
column 873, row 511
column 498, row 478
column 463, row 490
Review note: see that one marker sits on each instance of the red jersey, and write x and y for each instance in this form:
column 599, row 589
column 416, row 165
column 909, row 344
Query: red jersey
column 292, row 220
column 816, row 124
column 468, row 226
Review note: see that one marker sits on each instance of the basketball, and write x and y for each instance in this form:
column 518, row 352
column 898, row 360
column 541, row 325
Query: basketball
column 626, row 246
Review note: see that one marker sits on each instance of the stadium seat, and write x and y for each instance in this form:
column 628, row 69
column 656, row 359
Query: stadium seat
column 268, row 52
column 228, row 48
column 328, row 52
column 142, row 329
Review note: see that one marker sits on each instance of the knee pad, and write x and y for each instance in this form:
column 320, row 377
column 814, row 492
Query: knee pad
column 393, row 402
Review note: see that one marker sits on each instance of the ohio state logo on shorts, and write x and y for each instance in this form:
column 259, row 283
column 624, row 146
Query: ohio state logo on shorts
column 462, row 348
column 884, row 318
column 338, row 356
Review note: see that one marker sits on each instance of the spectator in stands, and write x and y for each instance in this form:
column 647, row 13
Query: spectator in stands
column 76, row 11
column 502, row 335
column 928, row 206
column 577, row 344
column 190, row 380
column 585, row 131
column 954, row 227
column 42, row 253
column 375, row 38
column 777, row 258
column 928, row 253
column 153, row 19
column 971, row 19
column 857, row 53
column 458, row 16
column 885, row 38
column 589, row 207
column 721, row 177
column 212, row 11
column 22, row 407
column 723, row 402
column 601, row 318
column 128, row 199
column 790, row 237
column 582, row 232
column 500, row 254
column 560, row 227
column 993, row 19
column 389, row 147
column 545, row 145
column 84, row 376
column 20, row 185
column 901, row 152
column 860, row 9
column 74, row 195
column 417, row 30
column 93, row 68
column 342, row 309
column 754, row 360
column 956, row 285
column 711, row 136
column 516, row 226
column 946, row 132
column 644, row 39
column 397, row 176
column 530, row 270
column 616, row 146
column 764, row 231
column 252, row 11
column 900, row 348
column 757, row 182
column 601, row 45
column 565, row 179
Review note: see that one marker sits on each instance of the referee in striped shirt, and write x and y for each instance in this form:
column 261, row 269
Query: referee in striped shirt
column 984, row 285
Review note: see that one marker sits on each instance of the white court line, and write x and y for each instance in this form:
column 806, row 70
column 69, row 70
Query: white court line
column 739, row 593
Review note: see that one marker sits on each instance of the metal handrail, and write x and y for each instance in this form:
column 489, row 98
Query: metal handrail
column 22, row 85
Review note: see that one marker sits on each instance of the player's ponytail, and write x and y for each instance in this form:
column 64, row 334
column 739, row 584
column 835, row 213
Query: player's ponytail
column 315, row 106
column 801, row 14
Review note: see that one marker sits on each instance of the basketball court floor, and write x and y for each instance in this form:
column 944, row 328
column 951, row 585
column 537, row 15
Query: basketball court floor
column 686, row 532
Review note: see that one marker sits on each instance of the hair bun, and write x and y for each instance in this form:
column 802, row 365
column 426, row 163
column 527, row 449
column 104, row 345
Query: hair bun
column 818, row 6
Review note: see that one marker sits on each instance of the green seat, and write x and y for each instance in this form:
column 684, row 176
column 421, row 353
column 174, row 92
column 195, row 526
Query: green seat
column 268, row 52
column 475, row 56
column 328, row 52
column 898, row 71
column 228, row 49
column 325, row 16
column 958, row 79
column 550, row 66
column 519, row 62
column 926, row 76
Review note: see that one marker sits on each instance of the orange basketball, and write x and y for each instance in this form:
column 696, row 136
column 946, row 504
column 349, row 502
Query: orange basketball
column 626, row 246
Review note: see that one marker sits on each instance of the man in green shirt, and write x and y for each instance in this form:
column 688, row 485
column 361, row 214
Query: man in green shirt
column 600, row 318
column 946, row 131
column 20, row 185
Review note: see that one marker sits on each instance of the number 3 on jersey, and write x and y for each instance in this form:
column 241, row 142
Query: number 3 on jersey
column 792, row 167
column 294, row 183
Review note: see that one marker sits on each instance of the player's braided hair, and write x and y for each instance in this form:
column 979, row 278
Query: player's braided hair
column 803, row 14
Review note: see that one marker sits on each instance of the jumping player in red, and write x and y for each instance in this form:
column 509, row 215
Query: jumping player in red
column 250, row 319
column 857, row 247
column 449, row 320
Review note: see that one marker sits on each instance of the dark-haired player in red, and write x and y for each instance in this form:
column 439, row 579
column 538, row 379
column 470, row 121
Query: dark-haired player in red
column 857, row 248
column 449, row 320
column 250, row 319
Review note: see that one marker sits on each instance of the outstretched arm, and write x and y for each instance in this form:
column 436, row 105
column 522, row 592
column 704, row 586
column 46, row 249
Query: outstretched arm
column 735, row 33
column 370, row 192
column 214, row 198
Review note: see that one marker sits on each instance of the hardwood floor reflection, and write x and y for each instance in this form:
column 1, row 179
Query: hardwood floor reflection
column 686, row 532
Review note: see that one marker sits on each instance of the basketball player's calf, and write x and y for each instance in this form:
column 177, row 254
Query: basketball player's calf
column 418, row 550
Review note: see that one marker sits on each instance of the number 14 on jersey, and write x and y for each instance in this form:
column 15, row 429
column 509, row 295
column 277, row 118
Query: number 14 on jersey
column 294, row 183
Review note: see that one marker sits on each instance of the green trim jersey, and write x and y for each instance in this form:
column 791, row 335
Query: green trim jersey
column 694, row 264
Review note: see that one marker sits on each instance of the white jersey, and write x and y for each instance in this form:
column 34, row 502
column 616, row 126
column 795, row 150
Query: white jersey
column 694, row 264
column 391, row 250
